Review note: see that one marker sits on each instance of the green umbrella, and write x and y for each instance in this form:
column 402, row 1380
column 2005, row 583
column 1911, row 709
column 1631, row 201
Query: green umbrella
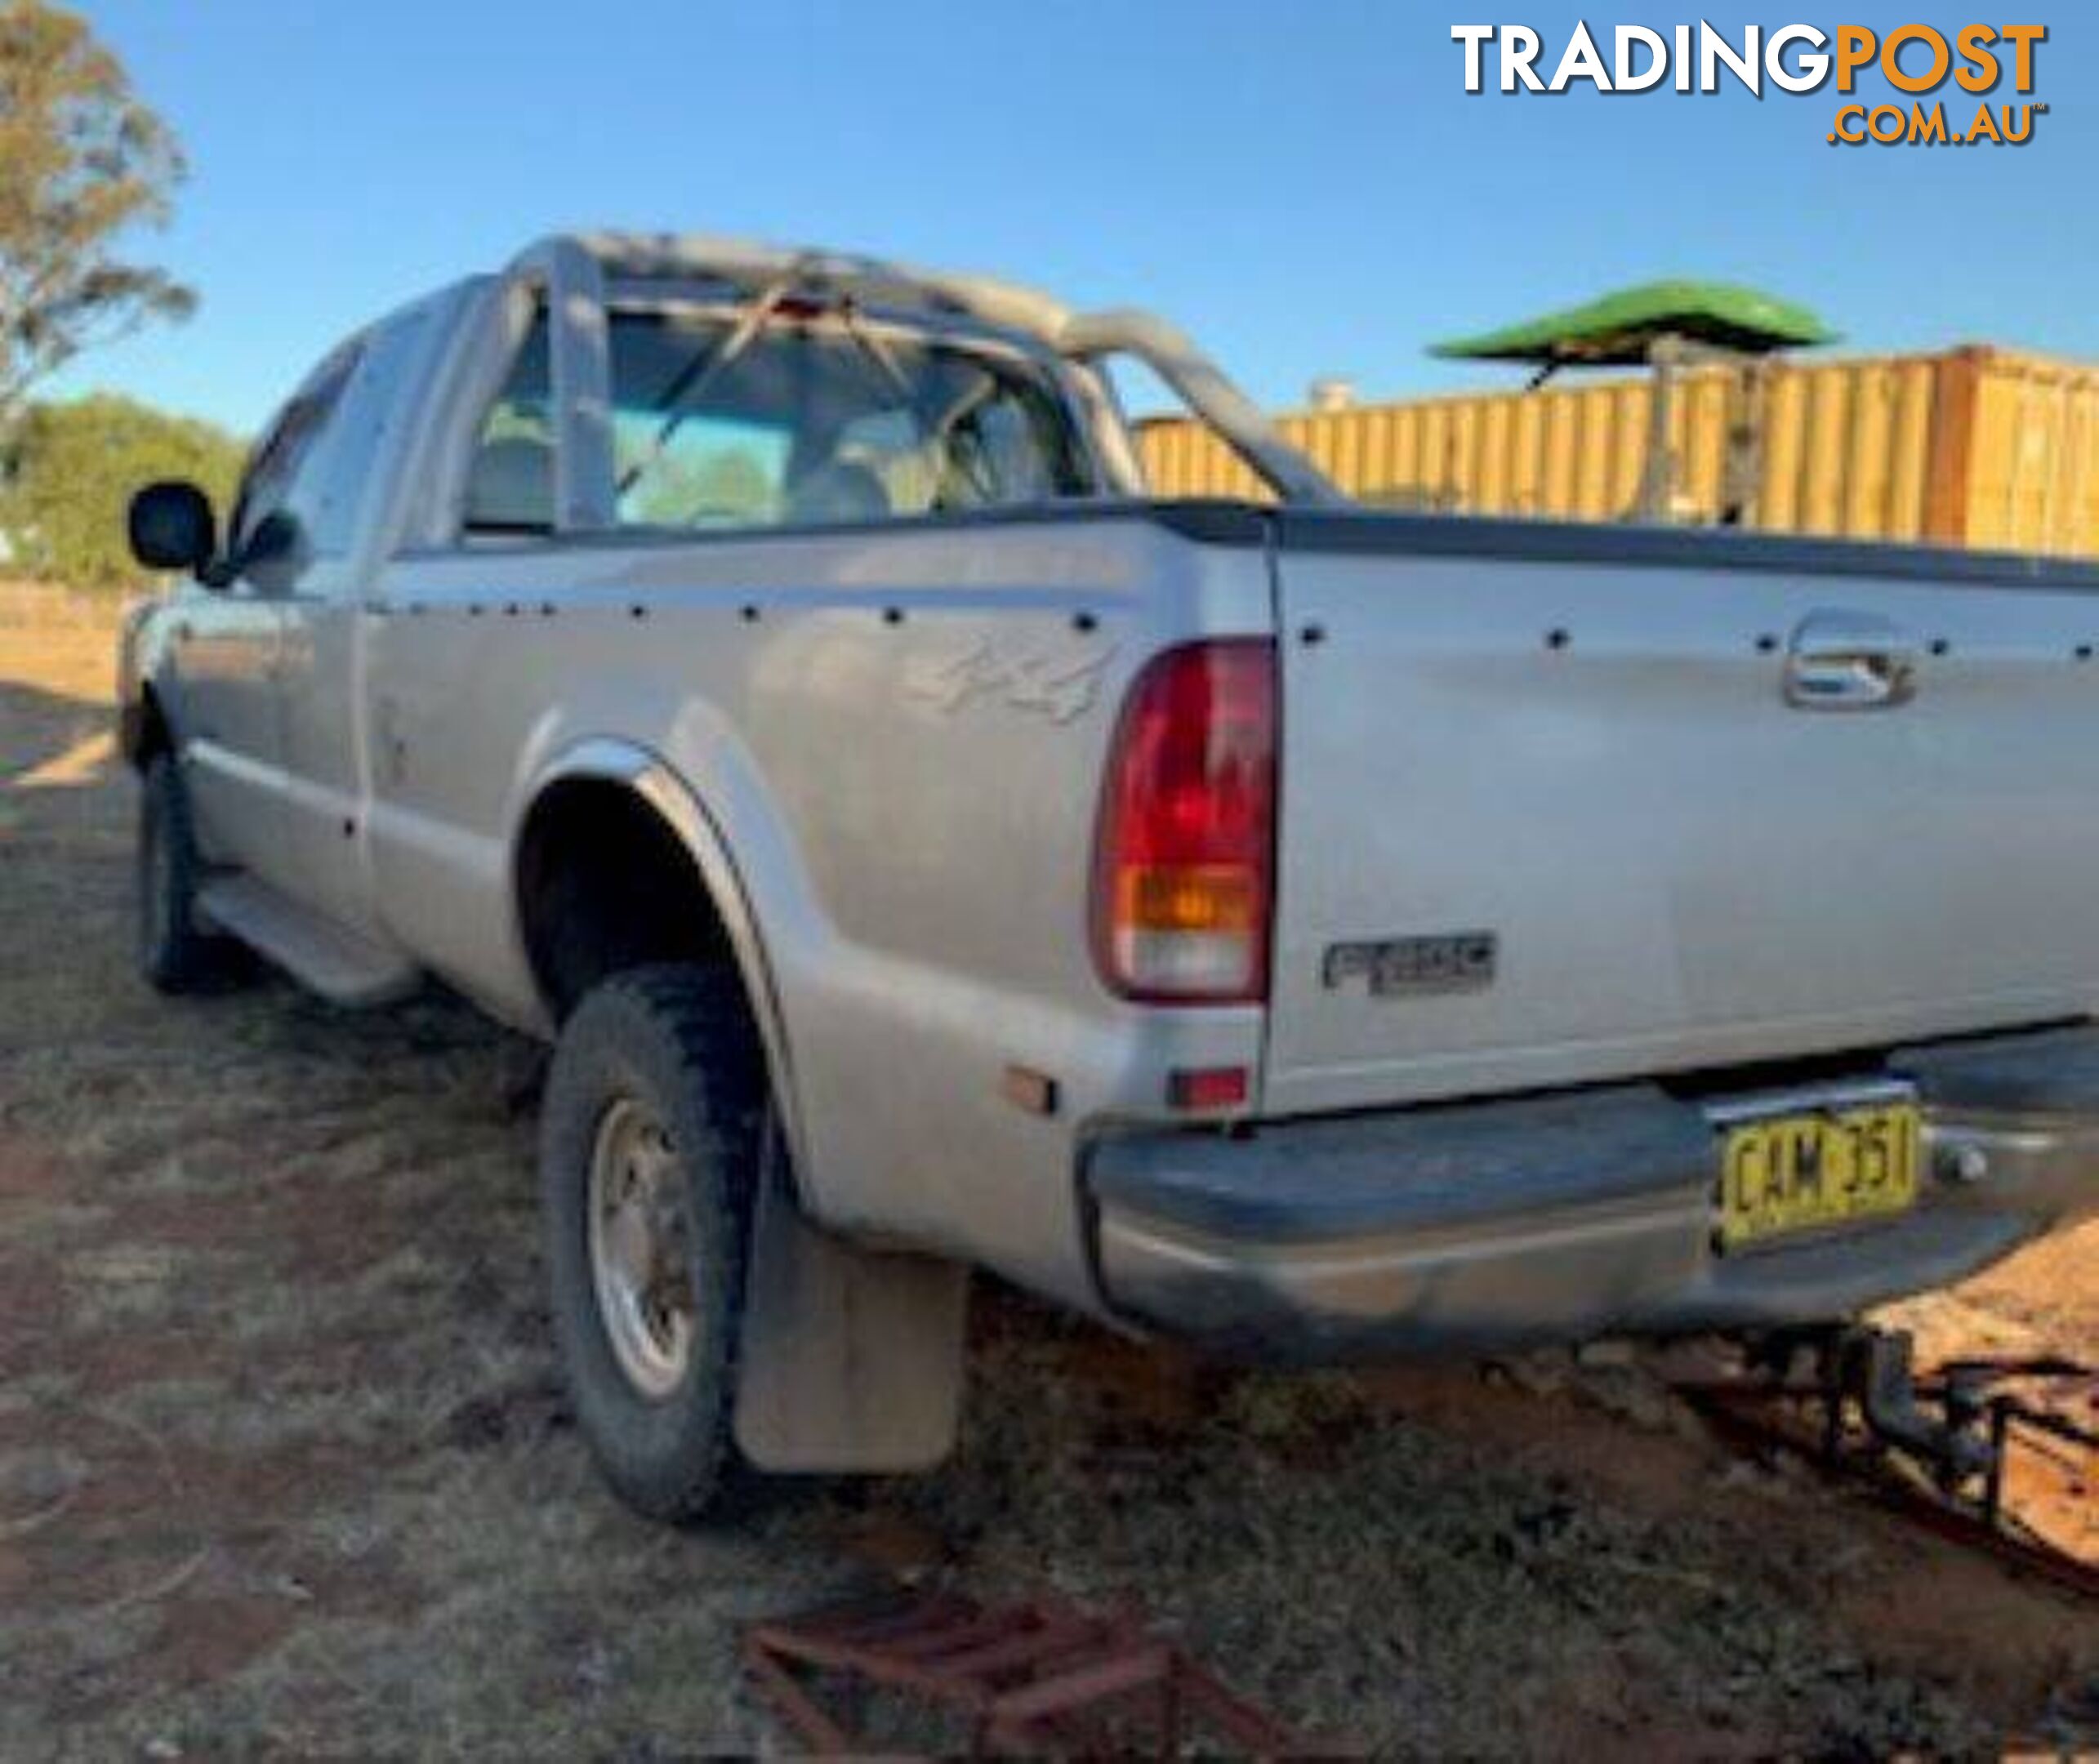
column 1621, row 328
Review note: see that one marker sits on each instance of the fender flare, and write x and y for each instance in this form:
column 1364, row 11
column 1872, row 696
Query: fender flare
column 851, row 1359
column 651, row 777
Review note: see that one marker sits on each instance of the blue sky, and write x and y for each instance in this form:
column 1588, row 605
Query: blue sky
column 1308, row 188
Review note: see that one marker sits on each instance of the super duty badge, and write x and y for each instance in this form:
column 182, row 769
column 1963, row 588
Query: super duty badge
column 1453, row 961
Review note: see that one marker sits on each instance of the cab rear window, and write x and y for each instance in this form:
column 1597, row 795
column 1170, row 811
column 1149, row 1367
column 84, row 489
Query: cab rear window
column 809, row 422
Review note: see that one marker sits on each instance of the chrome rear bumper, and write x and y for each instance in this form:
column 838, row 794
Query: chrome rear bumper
column 1555, row 1219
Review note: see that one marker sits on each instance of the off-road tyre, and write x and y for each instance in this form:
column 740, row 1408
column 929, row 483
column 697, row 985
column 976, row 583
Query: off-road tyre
column 679, row 1039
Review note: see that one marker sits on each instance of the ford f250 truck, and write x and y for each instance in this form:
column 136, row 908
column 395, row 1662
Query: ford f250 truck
column 1315, row 933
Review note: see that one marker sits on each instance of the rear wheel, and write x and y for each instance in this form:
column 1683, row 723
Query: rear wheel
column 651, row 1135
column 174, row 954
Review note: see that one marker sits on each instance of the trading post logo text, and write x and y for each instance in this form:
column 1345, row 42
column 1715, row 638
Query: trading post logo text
column 1917, row 62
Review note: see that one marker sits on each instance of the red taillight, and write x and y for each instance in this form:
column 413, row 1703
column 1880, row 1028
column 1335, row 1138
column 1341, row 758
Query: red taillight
column 1184, row 887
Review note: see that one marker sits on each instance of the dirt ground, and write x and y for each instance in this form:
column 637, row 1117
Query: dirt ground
column 285, row 1466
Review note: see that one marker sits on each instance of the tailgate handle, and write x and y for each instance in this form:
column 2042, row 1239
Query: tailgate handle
column 1849, row 661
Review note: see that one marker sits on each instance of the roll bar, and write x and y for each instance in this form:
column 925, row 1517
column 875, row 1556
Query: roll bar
column 1206, row 388
column 572, row 270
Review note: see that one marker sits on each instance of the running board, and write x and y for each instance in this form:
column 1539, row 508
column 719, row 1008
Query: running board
column 342, row 967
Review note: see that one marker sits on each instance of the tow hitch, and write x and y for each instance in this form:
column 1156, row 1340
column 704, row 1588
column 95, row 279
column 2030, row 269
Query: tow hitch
column 1874, row 1369
column 1950, row 1449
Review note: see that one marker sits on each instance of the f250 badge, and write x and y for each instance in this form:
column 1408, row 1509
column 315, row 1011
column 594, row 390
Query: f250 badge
column 1453, row 961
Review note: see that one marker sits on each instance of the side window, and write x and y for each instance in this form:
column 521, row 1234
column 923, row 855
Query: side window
column 510, row 489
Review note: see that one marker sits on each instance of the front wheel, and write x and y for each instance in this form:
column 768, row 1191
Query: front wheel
column 651, row 1135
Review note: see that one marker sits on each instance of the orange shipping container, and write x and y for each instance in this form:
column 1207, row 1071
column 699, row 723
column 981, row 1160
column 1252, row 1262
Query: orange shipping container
column 1975, row 446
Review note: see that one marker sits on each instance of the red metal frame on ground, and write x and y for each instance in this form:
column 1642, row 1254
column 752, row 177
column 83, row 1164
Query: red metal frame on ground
column 1040, row 1675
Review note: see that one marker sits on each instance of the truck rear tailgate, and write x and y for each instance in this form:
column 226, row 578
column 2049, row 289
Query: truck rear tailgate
column 1548, row 814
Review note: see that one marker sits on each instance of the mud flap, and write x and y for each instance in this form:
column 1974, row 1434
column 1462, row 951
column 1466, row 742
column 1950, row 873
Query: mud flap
column 851, row 1359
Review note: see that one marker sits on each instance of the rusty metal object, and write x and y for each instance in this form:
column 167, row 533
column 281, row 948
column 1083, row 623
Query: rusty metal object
column 1938, row 1448
column 1040, row 1676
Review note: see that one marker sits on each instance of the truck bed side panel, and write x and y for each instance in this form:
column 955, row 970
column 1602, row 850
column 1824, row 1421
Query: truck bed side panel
column 899, row 734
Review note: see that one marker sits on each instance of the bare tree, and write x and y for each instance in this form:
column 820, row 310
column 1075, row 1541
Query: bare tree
column 81, row 159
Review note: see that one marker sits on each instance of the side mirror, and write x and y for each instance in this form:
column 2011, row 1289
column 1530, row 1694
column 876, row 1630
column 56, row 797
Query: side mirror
column 172, row 527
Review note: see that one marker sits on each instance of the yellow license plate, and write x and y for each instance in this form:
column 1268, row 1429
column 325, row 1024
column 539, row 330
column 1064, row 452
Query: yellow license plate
column 1780, row 1174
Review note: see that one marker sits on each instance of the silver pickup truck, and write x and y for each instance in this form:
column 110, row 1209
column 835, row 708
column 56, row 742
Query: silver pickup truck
column 1315, row 933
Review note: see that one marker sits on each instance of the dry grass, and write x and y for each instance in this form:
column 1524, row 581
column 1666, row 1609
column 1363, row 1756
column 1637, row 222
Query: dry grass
column 284, row 1466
